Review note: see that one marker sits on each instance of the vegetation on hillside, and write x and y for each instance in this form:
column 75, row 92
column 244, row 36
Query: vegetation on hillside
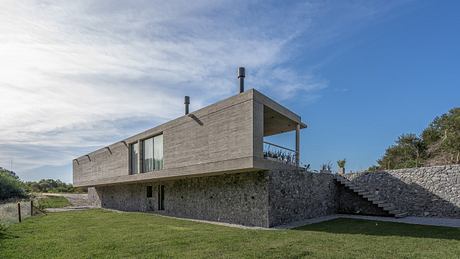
column 51, row 185
column 439, row 144
column 12, row 187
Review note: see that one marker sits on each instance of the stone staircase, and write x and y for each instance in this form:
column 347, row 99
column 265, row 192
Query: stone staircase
column 386, row 206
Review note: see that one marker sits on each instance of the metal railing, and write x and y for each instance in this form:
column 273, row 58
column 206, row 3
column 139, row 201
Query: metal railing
column 279, row 153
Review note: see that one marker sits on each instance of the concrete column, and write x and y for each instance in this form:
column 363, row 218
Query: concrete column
column 297, row 145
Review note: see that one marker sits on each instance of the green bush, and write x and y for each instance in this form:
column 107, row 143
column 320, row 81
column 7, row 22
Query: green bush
column 52, row 186
column 10, row 185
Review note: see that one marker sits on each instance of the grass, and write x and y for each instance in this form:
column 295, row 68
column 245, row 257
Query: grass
column 99, row 233
column 53, row 202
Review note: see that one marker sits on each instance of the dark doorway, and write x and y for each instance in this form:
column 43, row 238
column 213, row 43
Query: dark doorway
column 161, row 197
column 149, row 192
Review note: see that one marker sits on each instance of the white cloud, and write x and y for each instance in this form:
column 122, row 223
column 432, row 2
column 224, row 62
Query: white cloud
column 71, row 71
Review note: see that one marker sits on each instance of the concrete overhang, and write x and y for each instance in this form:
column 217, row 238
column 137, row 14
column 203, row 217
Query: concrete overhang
column 277, row 118
column 242, row 165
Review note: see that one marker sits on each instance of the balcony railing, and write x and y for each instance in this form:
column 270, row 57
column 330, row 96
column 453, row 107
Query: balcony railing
column 279, row 153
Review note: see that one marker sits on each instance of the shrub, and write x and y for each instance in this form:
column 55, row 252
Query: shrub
column 341, row 163
column 10, row 186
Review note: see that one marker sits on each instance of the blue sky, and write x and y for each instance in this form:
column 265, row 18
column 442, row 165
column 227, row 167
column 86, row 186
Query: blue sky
column 78, row 76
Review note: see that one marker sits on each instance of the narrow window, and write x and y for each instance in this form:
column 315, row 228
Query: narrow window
column 158, row 152
column 134, row 154
column 148, row 163
column 149, row 192
column 161, row 197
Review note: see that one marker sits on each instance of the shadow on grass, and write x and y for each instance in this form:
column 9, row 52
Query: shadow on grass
column 379, row 228
column 5, row 235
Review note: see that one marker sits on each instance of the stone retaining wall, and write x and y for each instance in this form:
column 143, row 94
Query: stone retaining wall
column 235, row 198
column 351, row 203
column 296, row 195
column 426, row 191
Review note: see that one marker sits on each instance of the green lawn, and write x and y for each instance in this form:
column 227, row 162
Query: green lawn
column 53, row 202
column 99, row 233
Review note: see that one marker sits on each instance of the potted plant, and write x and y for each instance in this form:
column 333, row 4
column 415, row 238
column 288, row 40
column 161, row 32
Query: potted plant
column 341, row 164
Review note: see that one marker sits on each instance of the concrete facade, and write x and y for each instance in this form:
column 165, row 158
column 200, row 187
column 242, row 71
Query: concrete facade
column 224, row 137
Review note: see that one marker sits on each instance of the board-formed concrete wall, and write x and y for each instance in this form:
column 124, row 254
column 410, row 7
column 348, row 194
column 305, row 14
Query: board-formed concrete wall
column 235, row 198
column 296, row 195
column 426, row 191
column 211, row 137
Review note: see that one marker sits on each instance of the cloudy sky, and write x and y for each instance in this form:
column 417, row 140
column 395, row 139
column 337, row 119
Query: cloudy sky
column 78, row 75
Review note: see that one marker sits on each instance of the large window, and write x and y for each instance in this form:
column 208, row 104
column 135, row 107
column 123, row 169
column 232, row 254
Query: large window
column 134, row 155
column 152, row 154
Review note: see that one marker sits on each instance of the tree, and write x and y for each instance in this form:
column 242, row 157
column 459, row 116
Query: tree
column 443, row 136
column 10, row 185
column 439, row 144
column 409, row 151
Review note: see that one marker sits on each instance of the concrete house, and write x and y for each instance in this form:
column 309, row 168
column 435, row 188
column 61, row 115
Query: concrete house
column 208, row 164
column 213, row 164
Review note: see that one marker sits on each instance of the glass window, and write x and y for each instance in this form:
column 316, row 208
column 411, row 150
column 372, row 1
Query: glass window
column 134, row 156
column 158, row 152
column 148, row 163
column 152, row 154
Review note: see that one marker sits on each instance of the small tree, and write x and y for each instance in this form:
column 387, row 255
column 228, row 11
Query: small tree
column 341, row 164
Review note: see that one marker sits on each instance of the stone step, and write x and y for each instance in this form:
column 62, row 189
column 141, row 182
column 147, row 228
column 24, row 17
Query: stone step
column 370, row 197
column 401, row 215
column 383, row 204
column 388, row 207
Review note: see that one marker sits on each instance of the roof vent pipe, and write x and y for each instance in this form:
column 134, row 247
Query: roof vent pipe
column 241, row 75
column 186, row 102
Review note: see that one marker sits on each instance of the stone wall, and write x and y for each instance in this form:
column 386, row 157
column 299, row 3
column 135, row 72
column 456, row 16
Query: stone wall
column 427, row 191
column 351, row 203
column 296, row 195
column 234, row 198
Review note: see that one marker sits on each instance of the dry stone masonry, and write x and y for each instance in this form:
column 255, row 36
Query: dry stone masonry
column 275, row 197
column 426, row 191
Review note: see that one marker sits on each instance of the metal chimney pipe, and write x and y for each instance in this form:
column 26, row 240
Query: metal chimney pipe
column 186, row 102
column 241, row 75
